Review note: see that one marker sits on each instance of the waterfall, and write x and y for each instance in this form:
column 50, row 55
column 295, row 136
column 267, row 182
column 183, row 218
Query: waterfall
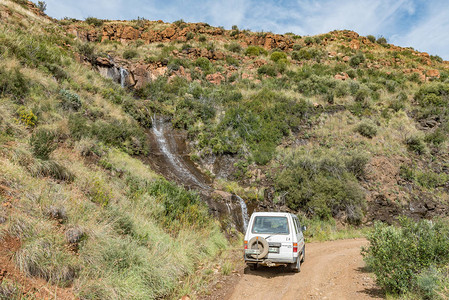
column 123, row 74
column 176, row 163
column 244, row 210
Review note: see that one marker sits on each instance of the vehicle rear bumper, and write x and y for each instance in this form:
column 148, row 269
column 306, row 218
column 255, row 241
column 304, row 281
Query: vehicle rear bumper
column 270, row 261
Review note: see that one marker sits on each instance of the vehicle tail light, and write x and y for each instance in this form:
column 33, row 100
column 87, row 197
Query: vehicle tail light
column 295, row 247
column 245, row 244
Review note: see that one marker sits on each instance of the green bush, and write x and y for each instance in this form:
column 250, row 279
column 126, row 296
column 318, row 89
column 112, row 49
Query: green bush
column 180, row 206
column 357, row 59
column 371, row 38
column 367, row 129
column 204, row 64
column 13, row 83
column 381, row 40
column 58, row 72
column 268, row 69
column 322, row 185
column 415, row 144
column 255, row 51
column 78, row 126
column 306, row 54
column 232, row 61
column 436, row 138
column 43, row 143
column 277, row 55
column 130, row 54
column 401, row 257
column 297, row 47
column 70, row 100
column 309, row 40
column 235, row 47
column 202, row 38
column 88, row 50
column 94, row 21
column 190, row 35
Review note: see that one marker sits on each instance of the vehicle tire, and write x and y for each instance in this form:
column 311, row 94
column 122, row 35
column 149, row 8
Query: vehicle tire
column 260, row 243
column 253, row 267
column 303, row 258
column 296, row 267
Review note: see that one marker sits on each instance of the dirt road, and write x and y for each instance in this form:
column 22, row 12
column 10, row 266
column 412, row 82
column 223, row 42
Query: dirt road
column 332, row 270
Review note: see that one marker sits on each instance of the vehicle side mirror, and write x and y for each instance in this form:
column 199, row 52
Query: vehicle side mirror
column 303, row 228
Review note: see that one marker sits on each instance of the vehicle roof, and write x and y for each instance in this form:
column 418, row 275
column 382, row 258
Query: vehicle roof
column 269, row 213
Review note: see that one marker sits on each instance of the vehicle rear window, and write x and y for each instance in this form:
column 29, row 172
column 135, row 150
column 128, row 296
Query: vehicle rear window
column 270, row 225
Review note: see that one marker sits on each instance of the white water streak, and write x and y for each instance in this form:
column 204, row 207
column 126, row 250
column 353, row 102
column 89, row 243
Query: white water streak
column 244, row 212
column 178, row 165
column 123, row 74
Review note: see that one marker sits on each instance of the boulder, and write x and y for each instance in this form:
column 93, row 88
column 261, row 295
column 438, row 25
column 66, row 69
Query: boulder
column 74, row 235
column 433, row 73
column 216, row 78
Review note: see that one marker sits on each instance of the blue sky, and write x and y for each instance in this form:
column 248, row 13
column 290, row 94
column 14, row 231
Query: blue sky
column 421, row 24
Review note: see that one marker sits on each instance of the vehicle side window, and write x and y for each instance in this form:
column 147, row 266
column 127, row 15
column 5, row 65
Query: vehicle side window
column 295, row 225
column 298, row 224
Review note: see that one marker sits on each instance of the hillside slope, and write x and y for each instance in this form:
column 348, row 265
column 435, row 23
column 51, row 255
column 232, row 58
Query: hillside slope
column 81, row 216
column 336, row 125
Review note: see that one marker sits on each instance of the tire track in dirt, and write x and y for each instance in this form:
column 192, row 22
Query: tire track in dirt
column 332, row 270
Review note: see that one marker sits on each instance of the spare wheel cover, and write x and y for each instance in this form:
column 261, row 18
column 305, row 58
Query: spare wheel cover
column 262, row 244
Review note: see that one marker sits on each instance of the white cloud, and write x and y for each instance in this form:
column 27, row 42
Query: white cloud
column 430, row 35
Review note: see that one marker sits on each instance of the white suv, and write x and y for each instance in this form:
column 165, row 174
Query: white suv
column 274, row 239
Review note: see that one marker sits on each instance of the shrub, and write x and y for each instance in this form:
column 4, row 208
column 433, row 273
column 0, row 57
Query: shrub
column 415, row 144
column 309, row 40
column 179, row 205
column 42, row 6
column 235, row 47
column 362, row 94
column 58, row 72
column 94, row 21
column 357, row 59
column 130, row 54
column 322, row 185
column 203, row 63
column 78, row 126
column 381, row 40
column 277, row 55
column 297, row 47
column 306, row 54
column 27, row 117
column 202, row 38
column 436, row 138
column 88, row 50
column 255, row 51
column 13, row 83
column 268, row 69
column 232, row 61
column 190, row 35
column 401, row 257
column 43, row 143
column 367, row 129
column 371, row 38
column 70, row 100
